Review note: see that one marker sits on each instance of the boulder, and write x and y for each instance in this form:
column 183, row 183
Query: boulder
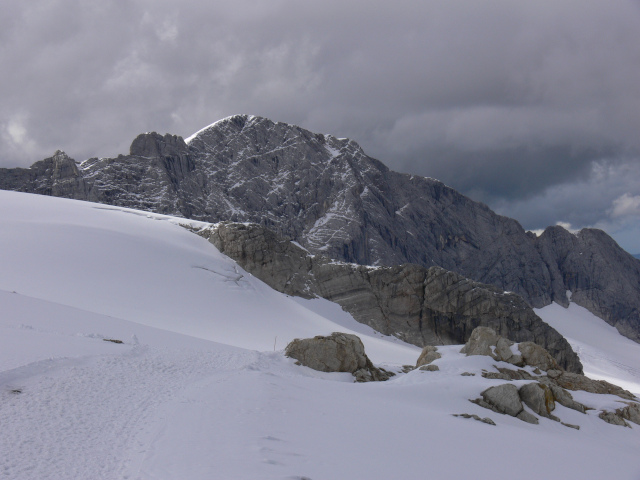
column 428, row 355
column 339, row 352
column 562, row 396
column 539, row 398
column 503, row 399
column 480, row 342
column 503, row 352
column 536, row 356
column 631, row 412
column 613, row 418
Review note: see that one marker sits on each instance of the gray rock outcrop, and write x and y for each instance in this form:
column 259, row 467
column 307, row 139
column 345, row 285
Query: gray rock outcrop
column 545, row 390
column 573, row 381
column 485, row 341
column 630, row 412
column 430, row 368
column 339, row 352
column 505, row 399
column 486, row 420
column 422, row 306
column 428, row 355
column 333, row 199
column 562, row 396
column 613, row 418
column 58, row 176
column 481, row 341
column 539, row 398
column 536, row 356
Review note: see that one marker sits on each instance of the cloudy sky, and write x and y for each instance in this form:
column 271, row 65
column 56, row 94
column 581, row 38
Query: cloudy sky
column 530, row 107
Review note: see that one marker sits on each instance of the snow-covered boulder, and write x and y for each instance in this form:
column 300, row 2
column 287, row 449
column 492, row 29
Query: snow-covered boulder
column 339, row 352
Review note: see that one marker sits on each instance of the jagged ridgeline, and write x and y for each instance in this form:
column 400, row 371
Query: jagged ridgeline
column 333, row 199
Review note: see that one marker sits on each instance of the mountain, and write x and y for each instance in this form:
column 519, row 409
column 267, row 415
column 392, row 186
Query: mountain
column 333, row 199
column 199, row 388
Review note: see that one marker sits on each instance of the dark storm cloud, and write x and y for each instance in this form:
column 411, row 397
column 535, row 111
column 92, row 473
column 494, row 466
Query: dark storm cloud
column 510, row 102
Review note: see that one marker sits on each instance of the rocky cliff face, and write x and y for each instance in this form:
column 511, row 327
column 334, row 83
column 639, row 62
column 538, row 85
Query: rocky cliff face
column 333, row 199
column 58, row 176
column 423, row 306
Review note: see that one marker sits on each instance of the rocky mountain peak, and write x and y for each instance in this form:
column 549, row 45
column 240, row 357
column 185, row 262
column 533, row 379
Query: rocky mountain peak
column 155, row 145
column 327, row 194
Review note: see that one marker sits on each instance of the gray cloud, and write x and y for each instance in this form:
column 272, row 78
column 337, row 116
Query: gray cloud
column 513, row 103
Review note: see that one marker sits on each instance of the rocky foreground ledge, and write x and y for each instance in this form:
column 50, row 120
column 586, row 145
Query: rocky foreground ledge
column 527, row 392
column 422, row 306
column 549, row 384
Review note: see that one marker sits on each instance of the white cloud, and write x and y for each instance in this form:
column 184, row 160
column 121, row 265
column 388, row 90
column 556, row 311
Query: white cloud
column 15, row 135
column 567, row 226
column 626, row 205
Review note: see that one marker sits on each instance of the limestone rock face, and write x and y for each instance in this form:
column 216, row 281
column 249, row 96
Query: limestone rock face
column 58, row 176
column 339, row 352
column 422, row 306
column 334, row 200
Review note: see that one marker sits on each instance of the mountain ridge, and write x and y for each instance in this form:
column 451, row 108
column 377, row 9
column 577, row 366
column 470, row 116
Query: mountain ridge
column 332, row 198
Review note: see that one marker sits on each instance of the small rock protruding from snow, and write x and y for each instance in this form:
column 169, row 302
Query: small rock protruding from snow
column 428, row 355
column 486, row 420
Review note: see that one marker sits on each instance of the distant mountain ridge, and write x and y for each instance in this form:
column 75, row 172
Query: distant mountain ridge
column 333, row 199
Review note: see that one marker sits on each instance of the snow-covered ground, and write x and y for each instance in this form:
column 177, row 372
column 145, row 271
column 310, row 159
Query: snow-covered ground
column 200, row 389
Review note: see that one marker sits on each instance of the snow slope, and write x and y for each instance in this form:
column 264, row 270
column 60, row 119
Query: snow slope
column 198, row 390
column 605, row 354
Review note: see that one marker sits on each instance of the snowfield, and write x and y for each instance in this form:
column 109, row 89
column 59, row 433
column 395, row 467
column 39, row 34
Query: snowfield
column 199, row 388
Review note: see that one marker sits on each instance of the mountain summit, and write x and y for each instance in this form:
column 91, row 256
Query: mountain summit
column 328, row 195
